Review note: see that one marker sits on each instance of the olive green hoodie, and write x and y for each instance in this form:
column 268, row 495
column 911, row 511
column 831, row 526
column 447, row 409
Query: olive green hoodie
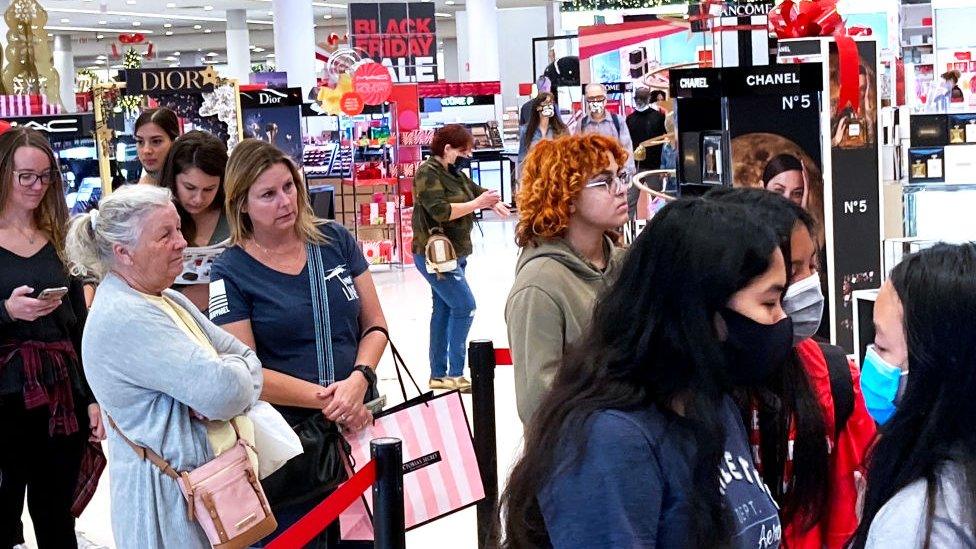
column 548, row 308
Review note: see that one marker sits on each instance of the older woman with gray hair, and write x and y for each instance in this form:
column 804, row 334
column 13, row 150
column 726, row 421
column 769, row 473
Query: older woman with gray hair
column 156, row 364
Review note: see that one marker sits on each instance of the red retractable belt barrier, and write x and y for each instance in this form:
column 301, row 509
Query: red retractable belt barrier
column 312, row 524
column 503, row 357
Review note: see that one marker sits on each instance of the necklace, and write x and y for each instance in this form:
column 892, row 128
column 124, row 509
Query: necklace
column 30, row 236
column 285, row 258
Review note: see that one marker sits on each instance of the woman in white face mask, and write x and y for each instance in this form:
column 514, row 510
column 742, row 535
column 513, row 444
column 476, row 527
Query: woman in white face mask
column 545, row 123
column 807, row 422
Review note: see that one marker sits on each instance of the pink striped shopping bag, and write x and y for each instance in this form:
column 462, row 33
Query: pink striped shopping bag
column 440, row 470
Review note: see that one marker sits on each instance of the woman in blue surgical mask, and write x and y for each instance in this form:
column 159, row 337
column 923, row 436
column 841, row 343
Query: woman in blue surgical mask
column 807, row 420
column 919, row 380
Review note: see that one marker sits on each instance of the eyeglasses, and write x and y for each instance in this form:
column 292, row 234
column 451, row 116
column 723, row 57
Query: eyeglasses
column 615, row 183
column 28, row 179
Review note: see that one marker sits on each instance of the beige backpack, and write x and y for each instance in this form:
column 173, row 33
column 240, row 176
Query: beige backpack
column 439, row 253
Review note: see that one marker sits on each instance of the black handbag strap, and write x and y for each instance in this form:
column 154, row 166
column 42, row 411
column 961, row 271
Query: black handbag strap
column 321, row 316
column 398, row 361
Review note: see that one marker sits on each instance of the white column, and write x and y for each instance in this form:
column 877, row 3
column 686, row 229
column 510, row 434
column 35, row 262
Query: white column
column 238, row 42
column 294, row 40
column 482, row 32
column 64, row 63
column 190, row 59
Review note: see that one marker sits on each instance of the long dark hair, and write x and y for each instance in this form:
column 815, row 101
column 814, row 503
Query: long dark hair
column 651, row 342
column 933, row 424
column 194, row 149
column 555, row 121
column 165, row 118
column 788, row 393
column 780, row 164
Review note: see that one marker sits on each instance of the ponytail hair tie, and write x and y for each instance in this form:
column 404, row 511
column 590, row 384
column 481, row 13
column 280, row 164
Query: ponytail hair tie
column 93, row 217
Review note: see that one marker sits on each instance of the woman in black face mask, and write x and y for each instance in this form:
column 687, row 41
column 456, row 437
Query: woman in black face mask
column 641, row 444
column 445, row 200
column 809, row 398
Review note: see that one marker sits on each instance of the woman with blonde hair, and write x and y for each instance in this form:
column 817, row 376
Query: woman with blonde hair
column 288, row 281
column 573, row 195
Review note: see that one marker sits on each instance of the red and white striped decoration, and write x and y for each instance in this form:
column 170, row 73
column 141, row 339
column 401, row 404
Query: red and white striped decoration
column 26, row 105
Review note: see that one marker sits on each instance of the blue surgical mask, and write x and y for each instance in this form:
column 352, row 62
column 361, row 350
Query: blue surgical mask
column 882, row 385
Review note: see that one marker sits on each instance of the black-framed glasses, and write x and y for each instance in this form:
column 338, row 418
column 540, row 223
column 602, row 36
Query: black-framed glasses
column 28, row 179
column 615, row 183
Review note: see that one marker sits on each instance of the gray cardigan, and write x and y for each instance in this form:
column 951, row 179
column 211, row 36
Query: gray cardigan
column 147, row 374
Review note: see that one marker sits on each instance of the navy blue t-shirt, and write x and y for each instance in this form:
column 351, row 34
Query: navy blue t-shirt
column 279, row 307
column 633, row 483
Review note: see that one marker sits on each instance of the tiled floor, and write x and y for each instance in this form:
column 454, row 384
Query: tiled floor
column 406, row 302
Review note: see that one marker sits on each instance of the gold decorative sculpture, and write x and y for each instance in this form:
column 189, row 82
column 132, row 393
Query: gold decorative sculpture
column 30, row 63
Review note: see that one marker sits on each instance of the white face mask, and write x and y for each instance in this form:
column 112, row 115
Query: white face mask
column 804, row 303
column 547, row 111
column 597, row 107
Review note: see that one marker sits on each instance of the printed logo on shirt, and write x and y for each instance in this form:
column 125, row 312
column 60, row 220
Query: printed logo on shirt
column 218, row 299
column 341, row 274
column 739, row 470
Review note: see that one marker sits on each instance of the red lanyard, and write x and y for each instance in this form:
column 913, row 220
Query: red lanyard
column 755, row 440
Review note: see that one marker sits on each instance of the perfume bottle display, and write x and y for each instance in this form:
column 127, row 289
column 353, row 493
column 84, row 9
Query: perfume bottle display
column 957, row 134
column 856, row 131
column 919, row 170
column 934, row 167
column 712, row 159
column 971, row 131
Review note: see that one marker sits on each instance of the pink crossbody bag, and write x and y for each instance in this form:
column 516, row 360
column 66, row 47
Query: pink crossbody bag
column 223, row 495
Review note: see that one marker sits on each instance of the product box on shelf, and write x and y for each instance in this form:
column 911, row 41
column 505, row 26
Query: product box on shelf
column 926, row 165
column 377, row 213
column 377, row 252
column 929, row 130
column 960, row 164
column 962, row 128
column 741, row 41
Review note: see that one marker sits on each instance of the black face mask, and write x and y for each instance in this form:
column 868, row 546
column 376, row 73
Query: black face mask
column 753, row 351
column 461, row 163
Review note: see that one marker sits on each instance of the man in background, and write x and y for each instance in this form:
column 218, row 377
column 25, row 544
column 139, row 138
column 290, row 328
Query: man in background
column 647, row 122
column 596, row 119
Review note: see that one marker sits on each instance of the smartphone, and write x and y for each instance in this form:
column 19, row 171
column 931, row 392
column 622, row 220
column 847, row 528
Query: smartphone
column 53, row 293
column 376, row 406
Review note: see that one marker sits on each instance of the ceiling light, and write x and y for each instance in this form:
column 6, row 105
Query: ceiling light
column 91, row 29
column 103, row 22
column 49, row 35
column 176, row 53
column 169, row 33
column 270, row 55
column 130, row 2
column 270, row 13
column 171, row 5
column 328, row 16
column 66, row 20
column 197, row 27
column 99, row 36
column 207, row 8
column 99, row 61
column 439, row 14
column 449, row 2
column 136, row 24
column 174, row 65
column 103, row 56
column 259, row 49
column 207, row 31
column 211, row 54
column 167, row 25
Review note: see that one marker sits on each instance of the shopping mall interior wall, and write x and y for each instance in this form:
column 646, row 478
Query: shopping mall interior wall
column 451, row 73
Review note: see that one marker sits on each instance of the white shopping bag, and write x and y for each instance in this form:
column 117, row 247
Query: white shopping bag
column 274, row 440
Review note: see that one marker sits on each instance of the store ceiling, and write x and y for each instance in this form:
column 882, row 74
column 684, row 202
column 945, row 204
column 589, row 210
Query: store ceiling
column 184, row 25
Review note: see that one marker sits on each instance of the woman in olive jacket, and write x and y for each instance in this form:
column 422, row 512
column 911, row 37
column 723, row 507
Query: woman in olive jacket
column 446, row 199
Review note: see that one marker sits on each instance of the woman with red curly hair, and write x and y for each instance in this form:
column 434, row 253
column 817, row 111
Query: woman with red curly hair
column 573, row 195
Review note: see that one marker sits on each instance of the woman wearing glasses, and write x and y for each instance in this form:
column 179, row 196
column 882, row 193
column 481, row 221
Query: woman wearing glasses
column 573, row 195
column 47, row 412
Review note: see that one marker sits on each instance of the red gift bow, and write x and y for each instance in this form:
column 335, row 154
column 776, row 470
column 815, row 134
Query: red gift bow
column 809, row 18
column 132, row 38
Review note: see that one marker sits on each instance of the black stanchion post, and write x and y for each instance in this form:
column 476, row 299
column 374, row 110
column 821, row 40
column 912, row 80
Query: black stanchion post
column 388, row 524
column 481, row 359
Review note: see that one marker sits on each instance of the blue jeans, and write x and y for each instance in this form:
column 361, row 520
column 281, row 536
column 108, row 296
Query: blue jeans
column 450, row 321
